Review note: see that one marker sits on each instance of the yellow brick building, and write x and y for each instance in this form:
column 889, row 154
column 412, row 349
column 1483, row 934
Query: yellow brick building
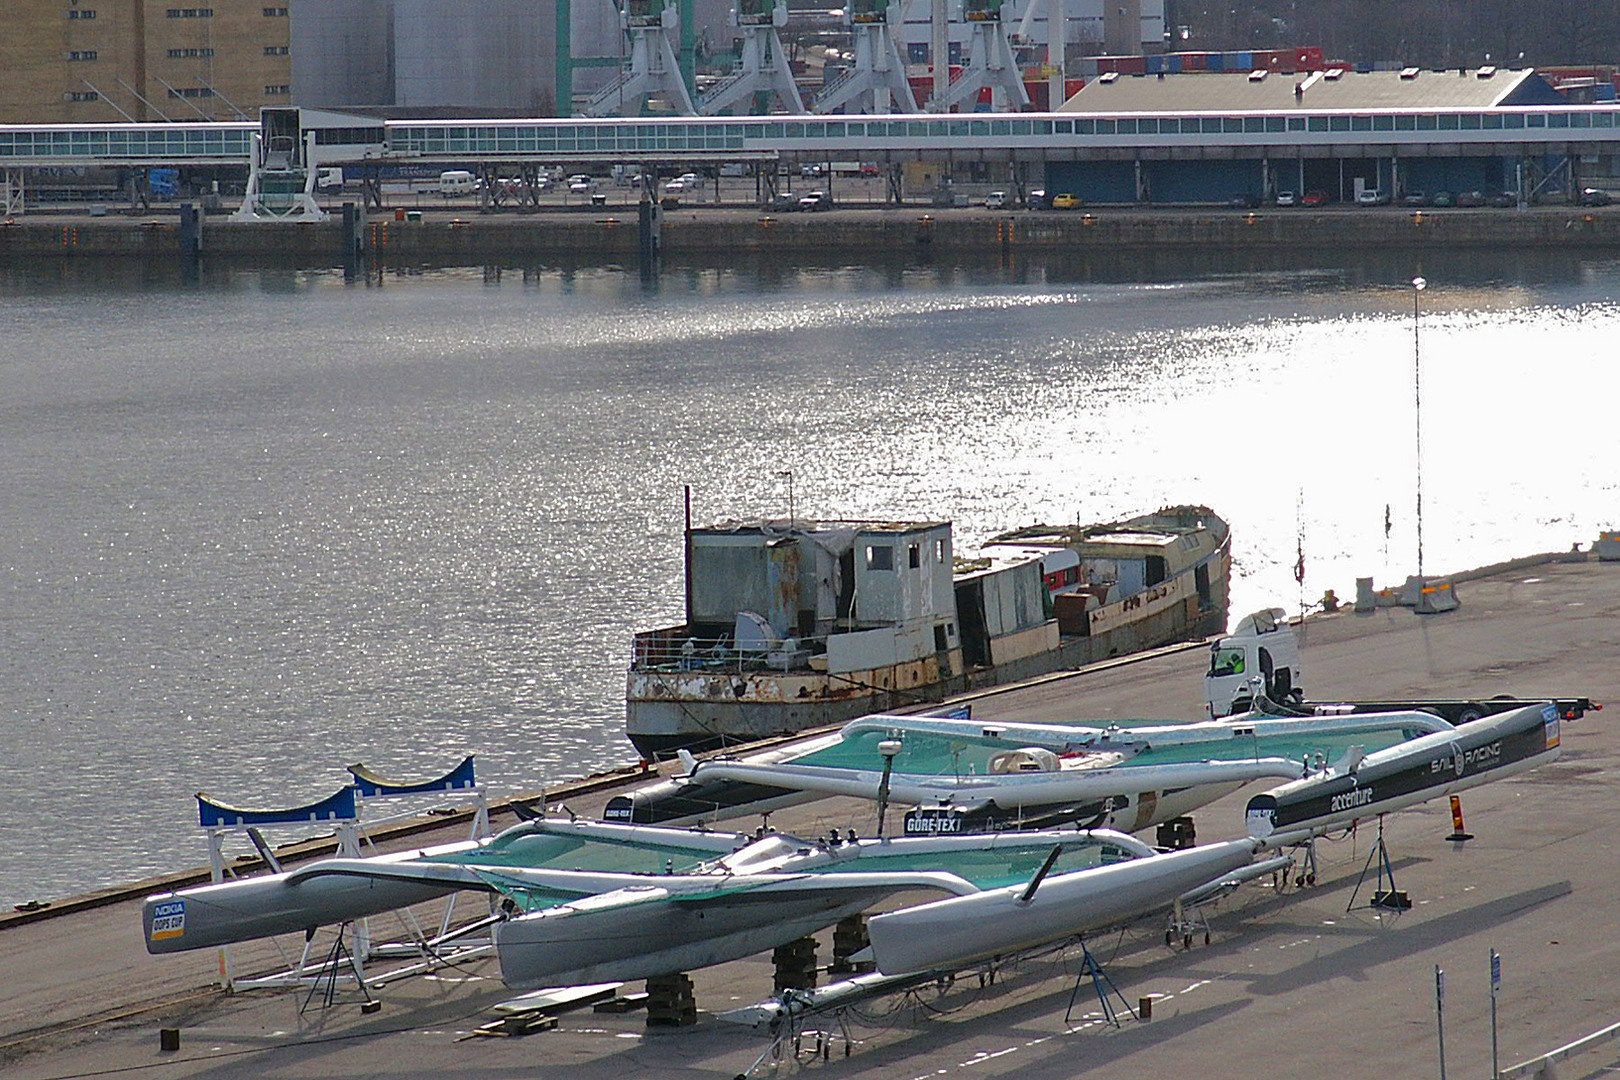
column 91, row 61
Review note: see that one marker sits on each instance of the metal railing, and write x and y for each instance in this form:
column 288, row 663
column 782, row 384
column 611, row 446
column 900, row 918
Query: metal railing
column 664, row 650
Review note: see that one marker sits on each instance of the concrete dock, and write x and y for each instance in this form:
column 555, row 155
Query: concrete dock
column 464, row 234
column 1291, row 984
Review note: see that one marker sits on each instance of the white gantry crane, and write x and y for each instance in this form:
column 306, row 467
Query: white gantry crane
column 990, row 62
column 764, row 69
column 877, row 83
column 653, row 27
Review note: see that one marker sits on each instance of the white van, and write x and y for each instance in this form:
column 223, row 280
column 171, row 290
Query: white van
column 457, row 182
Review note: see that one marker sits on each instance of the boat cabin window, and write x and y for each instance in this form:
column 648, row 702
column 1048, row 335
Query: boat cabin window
column 879, row 557
column 915, row 552
column 939, row 551
column 1227, row 662
column 1155, row 570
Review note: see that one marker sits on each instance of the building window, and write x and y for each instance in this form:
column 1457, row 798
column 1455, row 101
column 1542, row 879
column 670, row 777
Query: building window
column 86, row 54
column 82, row 95
column 192, row 92
column 880, row 557
column 277, row 91
column 275, row 50
column 183, row 54
column 914, row 553
column 275, row 13
column 191, row 13
column 81, row 13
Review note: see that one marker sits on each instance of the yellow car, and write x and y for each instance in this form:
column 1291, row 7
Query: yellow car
column 1064, row 202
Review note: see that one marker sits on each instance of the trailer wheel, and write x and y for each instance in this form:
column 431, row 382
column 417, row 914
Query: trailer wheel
column 1469, row 714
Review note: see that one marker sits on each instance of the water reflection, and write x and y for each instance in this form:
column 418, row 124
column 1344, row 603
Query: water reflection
column 753, row 271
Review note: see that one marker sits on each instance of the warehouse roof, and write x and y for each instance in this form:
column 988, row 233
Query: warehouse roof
column 1336, row 89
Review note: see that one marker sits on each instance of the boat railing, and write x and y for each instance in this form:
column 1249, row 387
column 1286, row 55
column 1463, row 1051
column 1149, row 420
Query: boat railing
column 666, row 650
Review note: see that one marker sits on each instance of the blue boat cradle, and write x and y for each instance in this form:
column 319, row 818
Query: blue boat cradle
column 343, row 809
column 339, row 806
column 213, row 814
column 370, row 785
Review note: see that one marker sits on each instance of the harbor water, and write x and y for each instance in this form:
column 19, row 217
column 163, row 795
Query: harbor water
column 264, row 524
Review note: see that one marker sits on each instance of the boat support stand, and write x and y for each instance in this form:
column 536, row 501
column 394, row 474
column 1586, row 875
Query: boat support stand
column 1383, row 899
column 1089, row 968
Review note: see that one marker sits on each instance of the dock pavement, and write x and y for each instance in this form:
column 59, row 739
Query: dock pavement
column 1292, row 984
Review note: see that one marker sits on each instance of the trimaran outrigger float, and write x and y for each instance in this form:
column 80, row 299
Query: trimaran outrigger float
column 643, row 902
column 964, row 775
column 587, row 902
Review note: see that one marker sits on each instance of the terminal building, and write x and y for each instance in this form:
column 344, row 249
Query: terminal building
column 1336, row 133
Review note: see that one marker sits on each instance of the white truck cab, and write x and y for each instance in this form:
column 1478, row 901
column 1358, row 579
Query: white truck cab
column 1259, row 659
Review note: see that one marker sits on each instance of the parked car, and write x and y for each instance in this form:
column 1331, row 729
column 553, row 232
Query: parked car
column 815, row 200
column 1594, row 197
column 1242, row 200
column 1371, row 197
column 674, row 187
column 1471, row 198
column 579, row 184
column 785, row 201
column 1504, row 199
column 1314, row 198
column 1038, row 199
column 1443, row 198
column 996, row 200
column 1064, row 201
column 1414, row 198
column 1287, row 198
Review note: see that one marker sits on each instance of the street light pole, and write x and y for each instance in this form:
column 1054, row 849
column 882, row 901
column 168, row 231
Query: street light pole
column 1418, row 285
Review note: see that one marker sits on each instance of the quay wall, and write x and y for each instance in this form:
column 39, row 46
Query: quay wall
column 445, row 236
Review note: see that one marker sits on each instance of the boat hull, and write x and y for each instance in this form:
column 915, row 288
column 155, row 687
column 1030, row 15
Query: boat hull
column 668, row 711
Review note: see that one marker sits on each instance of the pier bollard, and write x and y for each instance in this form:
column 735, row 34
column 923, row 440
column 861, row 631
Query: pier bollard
column 1365, row 599
column 168, row 1039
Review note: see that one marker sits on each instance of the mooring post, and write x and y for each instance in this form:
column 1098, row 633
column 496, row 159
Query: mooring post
column 353, row 231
